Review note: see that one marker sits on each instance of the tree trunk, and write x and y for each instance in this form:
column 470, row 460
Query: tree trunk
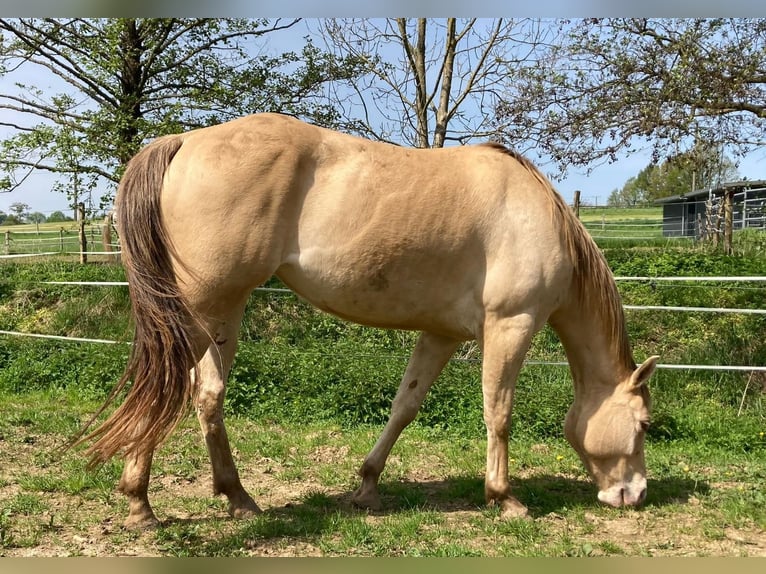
column 416, row 55
column 83, row 236
column 442, row 112
column 131, row 89
column 728, row 224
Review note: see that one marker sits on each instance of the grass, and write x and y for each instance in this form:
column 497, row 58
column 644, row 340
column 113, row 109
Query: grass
column 702, row 500
column 629, row 227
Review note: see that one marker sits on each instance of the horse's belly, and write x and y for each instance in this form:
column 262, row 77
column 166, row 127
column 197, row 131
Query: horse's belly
column 395, row 295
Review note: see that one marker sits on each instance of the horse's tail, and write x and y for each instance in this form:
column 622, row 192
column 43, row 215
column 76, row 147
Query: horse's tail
column 162, row 354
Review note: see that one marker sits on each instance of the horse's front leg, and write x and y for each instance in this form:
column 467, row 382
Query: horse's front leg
column 505, row 343
column 428, row 359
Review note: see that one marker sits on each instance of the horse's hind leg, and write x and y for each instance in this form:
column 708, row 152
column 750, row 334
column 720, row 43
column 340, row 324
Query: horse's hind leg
column 134, row 484
column 213, row 371
column 428, row 359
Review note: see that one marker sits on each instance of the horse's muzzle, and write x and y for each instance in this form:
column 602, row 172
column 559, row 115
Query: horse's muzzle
column 618, row 496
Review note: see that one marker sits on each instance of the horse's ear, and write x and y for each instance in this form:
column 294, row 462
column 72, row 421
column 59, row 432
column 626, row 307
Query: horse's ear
column 643, row 372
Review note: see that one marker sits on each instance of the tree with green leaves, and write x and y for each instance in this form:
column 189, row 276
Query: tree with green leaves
column 121, row 82
column 609, row 86
column 19, row 211
column 58, row 217
column 704, row 166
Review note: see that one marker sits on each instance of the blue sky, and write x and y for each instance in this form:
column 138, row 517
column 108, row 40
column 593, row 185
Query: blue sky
column 595, row 186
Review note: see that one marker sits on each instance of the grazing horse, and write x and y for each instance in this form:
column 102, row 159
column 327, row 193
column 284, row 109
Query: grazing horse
column 463, row 243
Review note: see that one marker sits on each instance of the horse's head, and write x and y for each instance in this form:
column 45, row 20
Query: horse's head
column 607, row 428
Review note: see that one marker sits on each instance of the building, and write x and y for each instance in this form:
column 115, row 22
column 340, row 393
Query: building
column 697, row 213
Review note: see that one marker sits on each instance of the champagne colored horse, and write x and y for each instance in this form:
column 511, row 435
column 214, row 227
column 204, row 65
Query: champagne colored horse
column 458, row 243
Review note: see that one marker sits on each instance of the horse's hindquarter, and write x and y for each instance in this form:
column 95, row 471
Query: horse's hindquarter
column 232, row 197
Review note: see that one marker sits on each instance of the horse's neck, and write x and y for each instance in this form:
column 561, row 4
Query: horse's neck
column 595, row 347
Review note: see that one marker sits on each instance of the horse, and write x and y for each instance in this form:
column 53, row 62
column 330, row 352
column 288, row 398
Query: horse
column 459, row 243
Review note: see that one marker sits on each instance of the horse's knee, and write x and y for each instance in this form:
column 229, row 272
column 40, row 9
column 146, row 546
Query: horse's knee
column 209, row 402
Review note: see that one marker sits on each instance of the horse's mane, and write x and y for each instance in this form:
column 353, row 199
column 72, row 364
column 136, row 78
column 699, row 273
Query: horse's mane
column 593, row 279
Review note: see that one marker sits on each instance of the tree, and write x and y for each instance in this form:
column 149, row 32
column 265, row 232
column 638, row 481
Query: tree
column 19, row 211
column 124, row 81
column 36, row 217
column 58, row 217
column 607, row 86
column 704, row 166
column 427, row 81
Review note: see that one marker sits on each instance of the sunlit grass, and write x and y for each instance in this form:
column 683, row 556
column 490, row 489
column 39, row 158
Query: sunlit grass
column 432, row 493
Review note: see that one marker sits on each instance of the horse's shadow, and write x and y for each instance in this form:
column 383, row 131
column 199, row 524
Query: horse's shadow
column 544, row 494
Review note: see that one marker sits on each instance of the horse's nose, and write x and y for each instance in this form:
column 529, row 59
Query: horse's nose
column 628, row 500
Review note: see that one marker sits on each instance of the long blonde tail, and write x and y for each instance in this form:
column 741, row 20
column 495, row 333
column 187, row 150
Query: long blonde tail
column 162, row 354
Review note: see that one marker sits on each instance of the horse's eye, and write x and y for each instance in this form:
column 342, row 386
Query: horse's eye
column 644, row 425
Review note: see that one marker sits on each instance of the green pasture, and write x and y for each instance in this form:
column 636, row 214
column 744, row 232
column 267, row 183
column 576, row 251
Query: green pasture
column 595, row 214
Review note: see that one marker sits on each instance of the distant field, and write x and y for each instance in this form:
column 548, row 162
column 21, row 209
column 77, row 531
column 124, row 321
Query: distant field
column 47, row 238
column 625, row 226
column 42, row 227
column 620, row 213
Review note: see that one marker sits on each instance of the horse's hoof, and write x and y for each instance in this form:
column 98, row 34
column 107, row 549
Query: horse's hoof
column 510, row 508
column 141, row 522
column 243, row 511
column 366, row 500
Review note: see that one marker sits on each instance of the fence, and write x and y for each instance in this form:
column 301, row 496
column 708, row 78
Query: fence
column 740, row 279
column 706, row 216
column 638, row 225
column 48, row 241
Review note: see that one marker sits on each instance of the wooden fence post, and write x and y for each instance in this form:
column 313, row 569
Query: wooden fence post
column 718, row 220
column 106, row 237
column 7, row 242
column 83, row 236
column 728, row 221
column 106, row 234
column 61, row 240
column 577, row 203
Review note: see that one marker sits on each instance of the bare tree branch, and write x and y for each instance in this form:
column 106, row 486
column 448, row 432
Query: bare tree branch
column 411, row 63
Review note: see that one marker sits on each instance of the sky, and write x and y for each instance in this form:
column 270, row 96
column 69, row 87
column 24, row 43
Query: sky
column 595, row 186
column 312, row 8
